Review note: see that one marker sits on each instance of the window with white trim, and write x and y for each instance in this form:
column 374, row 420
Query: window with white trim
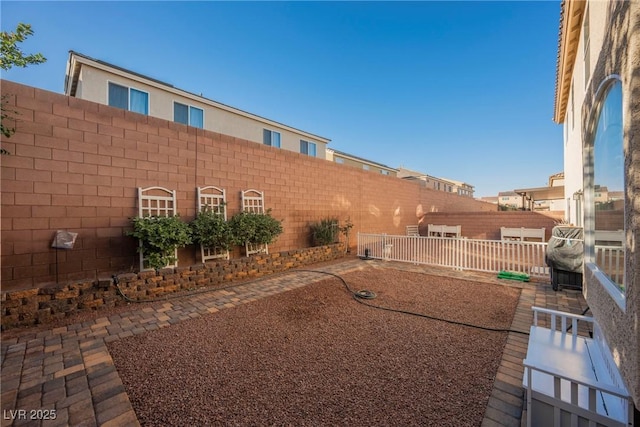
column 308, row 148
column 128, row 98
column 384, row 172
column 339, row 160
column 365, row 167
column 270, row 137
column 188, row 115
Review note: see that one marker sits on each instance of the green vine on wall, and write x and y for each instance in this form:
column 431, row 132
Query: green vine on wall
column 211, row 230
column 255, row 228
column 160, row 236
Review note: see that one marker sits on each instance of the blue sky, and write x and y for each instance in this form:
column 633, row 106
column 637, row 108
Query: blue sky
column 461, row 90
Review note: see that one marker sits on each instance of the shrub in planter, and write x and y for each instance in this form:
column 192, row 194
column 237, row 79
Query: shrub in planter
column 211, row 230
column 160, row 237
column 324, row 232
column 254, row 228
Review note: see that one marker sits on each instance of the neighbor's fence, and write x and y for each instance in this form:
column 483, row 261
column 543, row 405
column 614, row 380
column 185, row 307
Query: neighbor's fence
column 458, row 253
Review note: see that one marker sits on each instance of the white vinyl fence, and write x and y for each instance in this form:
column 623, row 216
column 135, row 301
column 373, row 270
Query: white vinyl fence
column 458, row 253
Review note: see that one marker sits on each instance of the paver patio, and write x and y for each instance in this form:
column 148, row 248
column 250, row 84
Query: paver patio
column 69, row 368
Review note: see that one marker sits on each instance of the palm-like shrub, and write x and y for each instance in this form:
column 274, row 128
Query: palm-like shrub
column 324, row 232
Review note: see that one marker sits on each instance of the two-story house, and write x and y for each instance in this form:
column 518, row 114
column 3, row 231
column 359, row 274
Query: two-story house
column 596, row 100
column 98, row 81
column 343, row 158
column 440, row 184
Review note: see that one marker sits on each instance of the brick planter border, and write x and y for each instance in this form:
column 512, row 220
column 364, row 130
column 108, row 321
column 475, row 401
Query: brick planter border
column 45, row 304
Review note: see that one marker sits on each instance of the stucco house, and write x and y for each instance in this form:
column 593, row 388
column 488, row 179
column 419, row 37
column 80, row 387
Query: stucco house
column 98, row 81
column 441, row 184
column 343, row 158
column 597, row 102
column 549, row 198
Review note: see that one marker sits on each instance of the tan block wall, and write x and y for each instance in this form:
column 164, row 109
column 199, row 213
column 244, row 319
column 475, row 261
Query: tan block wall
column 76, row 165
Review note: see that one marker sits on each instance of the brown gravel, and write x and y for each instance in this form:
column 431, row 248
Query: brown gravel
column 313, row 356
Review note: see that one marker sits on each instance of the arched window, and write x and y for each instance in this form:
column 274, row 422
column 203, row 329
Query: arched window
column 604, row 184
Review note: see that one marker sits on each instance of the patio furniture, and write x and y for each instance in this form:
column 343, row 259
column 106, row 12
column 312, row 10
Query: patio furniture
column 412, row 230
column 434, row 230
column 571, row 379
column 522, row 234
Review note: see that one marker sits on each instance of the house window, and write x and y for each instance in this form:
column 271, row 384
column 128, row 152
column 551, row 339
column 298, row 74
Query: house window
column 384, row 172
column 188, row 115
column 365, row 167
column 271, row 138
column 128, row 98
column 604, row 219
column 339, row 160
column 308, row 148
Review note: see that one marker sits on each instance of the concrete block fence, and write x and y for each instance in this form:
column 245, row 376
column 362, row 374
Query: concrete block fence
column 76, row 165
column 45, row 304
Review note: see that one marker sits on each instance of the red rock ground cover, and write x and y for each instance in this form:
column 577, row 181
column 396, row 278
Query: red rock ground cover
column 314, row 356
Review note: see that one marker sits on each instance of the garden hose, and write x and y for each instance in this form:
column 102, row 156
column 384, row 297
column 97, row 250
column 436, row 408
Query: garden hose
column 363, row 301
column 361, row 296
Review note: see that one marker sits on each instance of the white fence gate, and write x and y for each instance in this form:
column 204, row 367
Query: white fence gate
column 459, row 253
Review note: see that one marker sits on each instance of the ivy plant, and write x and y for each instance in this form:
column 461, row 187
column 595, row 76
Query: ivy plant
column 211, row 230
column 160, row 236
column 255, row 228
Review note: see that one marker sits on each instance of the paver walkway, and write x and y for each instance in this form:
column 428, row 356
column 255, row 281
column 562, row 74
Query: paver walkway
column 67, row 375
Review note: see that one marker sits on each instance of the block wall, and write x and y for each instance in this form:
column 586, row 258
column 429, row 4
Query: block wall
column 76, row 165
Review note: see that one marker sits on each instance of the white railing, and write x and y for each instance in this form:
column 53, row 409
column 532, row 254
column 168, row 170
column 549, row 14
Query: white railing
column 461, row 253
column 610, row 259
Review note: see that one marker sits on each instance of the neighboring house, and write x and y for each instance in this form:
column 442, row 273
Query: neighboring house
column 550, row 198
column 556, row 180
column 104, row 83
column 596, row 101
column 341, row 157
column 510, row 199
column 440, row 184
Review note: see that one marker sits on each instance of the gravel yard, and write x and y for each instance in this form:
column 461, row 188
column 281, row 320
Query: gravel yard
column 314, row 356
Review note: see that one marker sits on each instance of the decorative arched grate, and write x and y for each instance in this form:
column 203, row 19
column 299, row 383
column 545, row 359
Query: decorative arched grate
column 213, row 198
column 253, row 202
column 156, row 201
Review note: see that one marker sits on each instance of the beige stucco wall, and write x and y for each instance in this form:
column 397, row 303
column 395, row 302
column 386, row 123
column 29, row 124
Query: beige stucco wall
column 615, row 47
column 92, row 86
column 370, row 167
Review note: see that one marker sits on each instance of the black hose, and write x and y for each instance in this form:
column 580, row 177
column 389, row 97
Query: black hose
column 411, row 313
